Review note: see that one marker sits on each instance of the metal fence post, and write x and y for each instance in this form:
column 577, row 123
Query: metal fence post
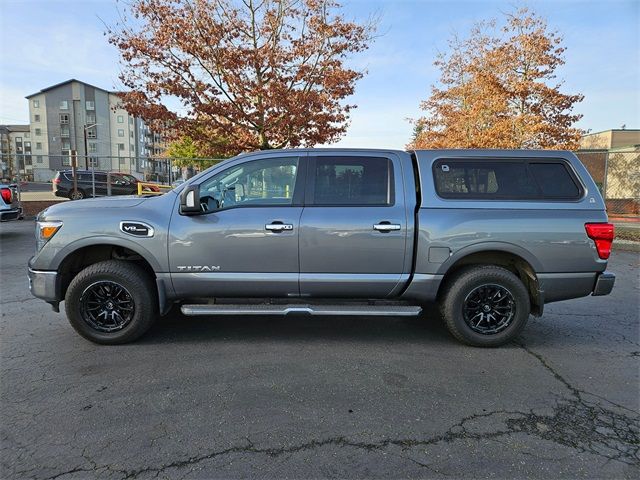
column 93, row 179
column 606, row 174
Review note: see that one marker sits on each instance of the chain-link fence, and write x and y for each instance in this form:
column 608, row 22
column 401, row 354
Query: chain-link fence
column 43, row 168
column 617, row 174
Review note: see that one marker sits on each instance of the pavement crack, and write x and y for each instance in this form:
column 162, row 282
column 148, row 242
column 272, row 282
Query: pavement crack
column 585, row 425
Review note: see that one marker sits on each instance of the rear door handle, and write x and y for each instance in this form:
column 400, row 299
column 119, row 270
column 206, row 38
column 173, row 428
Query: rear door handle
column 278, row 227
column 387, row 227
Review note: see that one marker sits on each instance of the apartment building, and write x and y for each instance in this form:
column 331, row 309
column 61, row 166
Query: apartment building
column 15, row 151
column 74, row 116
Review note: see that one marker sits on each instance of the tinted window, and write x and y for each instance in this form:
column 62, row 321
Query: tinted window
column 503, row 180
column 261, row 182
column 483, row 178
column 353, row 181
column 554, row 180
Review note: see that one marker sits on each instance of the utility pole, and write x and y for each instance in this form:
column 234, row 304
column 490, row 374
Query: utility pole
column 86, row 150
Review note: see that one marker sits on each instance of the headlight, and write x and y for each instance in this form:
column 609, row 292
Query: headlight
column 45, row 231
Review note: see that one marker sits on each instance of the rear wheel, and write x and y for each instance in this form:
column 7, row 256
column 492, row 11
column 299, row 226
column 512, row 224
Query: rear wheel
column 77, row 194
column 111, row 302
column 485, row 306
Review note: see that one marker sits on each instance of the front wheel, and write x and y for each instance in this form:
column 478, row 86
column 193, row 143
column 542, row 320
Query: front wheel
column 111, row 302
column 485, row 306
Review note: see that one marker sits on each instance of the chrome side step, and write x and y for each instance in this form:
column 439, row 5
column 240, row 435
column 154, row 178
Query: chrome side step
column 360, row 310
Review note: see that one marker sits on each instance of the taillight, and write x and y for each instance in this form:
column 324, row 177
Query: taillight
column 56, row 180
column 6, row 195
column 602, row 235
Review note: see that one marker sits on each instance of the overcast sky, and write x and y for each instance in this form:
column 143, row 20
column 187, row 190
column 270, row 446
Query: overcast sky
column 49, row 41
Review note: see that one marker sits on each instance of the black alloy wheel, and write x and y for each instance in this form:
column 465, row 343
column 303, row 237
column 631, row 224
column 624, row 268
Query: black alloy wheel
column 489, row 309
column 107, row 306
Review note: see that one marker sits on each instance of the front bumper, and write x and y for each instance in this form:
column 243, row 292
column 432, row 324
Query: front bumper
column 604, row 284
column 13, row 214
column 44, row 285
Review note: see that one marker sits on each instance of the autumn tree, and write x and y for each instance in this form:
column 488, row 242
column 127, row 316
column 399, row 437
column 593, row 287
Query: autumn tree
column 184, row 152
column 498, row 89
column 250, row 74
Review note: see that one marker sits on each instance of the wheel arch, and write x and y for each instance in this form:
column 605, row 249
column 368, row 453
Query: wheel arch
column 511, row 257
column 79, row 255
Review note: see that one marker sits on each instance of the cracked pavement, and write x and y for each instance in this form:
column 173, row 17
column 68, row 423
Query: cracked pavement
column 310, row 397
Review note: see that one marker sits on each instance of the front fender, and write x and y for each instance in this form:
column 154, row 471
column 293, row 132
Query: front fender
column 136, row 247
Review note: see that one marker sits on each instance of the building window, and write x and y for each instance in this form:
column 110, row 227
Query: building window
column 66, row 144
column 120, row 147
column 132, row 148
column 38, row 146
column 38, row 158
column 122, row 160
column 130, row 133
column 64, row 105
column 27, row 135
column 38, row 132
column 120, row 132
column 130, row 120
column 91, row 133
column 120, row 119
column 93, row 162
column 91, row 118
column 91, row 105
column 65, row 158
column 36, row 118
column 64, row 118
column 64, row 130
column 36, row 104
column 27, row 145
column 93, row 147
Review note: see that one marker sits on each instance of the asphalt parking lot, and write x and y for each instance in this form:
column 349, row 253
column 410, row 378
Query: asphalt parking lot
column 311, row 397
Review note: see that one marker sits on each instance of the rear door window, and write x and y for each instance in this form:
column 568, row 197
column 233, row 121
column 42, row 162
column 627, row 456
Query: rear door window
column 352, row 181
column 487, row 179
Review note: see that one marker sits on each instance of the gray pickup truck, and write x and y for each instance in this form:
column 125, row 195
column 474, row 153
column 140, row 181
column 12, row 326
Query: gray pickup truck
column 490, row 235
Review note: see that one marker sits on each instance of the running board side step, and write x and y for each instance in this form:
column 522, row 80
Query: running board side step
column 359, row 310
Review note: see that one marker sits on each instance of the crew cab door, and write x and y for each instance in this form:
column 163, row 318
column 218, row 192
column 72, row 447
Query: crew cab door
column 353, row 231
column 245, row 243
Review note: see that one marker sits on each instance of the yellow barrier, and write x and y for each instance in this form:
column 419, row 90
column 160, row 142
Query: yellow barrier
column 148, row 188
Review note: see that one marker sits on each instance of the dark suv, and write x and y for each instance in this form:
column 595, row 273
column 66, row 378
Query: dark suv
column 121, row 184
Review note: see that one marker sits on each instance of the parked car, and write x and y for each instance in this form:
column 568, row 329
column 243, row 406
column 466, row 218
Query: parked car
column 10, row 207
column 490, row 235
column 121, row 184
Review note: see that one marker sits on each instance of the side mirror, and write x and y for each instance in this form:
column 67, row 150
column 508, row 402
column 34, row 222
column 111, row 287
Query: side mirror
column 190, row 200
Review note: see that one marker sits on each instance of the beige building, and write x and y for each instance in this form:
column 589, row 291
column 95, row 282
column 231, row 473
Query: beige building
column 613, row 160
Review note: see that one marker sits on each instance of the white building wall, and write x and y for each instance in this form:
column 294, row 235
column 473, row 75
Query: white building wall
column 39, row 138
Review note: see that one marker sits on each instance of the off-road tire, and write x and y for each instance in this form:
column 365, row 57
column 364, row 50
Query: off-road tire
column 138, row 284
column 463, row 284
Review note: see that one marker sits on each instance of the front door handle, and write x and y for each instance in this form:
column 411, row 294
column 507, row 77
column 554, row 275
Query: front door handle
column 278, row 227
column 387, row 227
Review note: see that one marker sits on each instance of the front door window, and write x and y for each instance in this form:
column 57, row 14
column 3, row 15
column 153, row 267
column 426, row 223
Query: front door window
column 266, row 182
